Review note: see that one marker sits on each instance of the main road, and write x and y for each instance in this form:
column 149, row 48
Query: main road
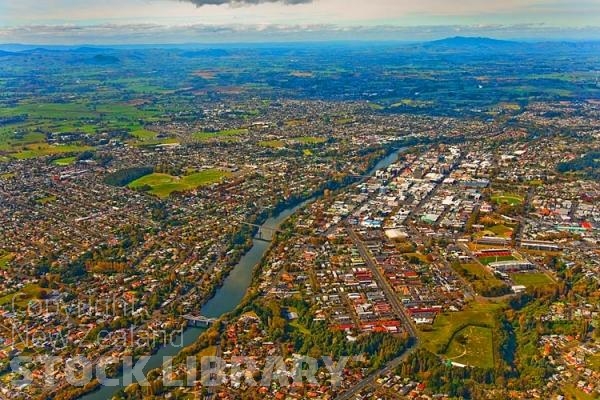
column 398, row 309
column 389, row 367
column 383, row 283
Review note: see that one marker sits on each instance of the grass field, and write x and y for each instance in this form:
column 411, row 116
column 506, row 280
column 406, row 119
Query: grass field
column 573, row 393
column 46, row 200
column 227, row 134
column 343, row 121
column 21, row 298
column 144, row 134
column 472, row 346
column 531, row 279
column 501, row 230
column 478, row 271
column 5, row 258
column 44, row 149
column 163, row 185
column 446, row 325
column 209, row 351
column 508, row 198
column 273, row 144
column 65, row 161
column 594, row 362
column 309, row 140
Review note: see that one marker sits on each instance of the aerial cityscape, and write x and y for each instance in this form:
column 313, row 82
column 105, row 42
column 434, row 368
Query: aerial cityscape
column 296, row 199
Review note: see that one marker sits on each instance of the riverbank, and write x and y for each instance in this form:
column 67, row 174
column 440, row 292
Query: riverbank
column 233, row 292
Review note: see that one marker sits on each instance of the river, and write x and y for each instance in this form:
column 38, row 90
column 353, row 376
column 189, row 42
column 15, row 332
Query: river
column 233, row 290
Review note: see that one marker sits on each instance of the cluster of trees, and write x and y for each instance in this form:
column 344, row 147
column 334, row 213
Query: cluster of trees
column 105, row 266
column 124, row 177
column 378, row 348
column 487, row 287
column 440, row 377
column 588, row 165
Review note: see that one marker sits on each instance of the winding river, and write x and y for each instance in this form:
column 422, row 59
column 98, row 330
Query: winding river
column 233, row 290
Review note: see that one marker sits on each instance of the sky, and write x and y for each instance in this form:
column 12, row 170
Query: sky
column 214, row 21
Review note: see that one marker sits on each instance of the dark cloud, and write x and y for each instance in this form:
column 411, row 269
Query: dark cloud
column 201, row 3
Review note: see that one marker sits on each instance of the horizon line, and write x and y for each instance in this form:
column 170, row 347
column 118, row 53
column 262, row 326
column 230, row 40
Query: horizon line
column 523, row 40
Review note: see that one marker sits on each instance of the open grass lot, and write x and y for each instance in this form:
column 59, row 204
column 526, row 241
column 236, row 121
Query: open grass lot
column 210, row 351
column 224, row 134
column 5, row 258
column 410, row 103
column 472, row 346
column 446, row 325
column 163, row 185
column 43, row 149
column 144, row 134
column 478, row 271
column 501, row 230
column 11, row 142
column 46, row 200
column 507, row 198
column 65, row 161
column 594, row 362
column 22, row 297
column 532, row 279
column 309, row 140
column 573, row 393
column 156, row 142
column 273, row 144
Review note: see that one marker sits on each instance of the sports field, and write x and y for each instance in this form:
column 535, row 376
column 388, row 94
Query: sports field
column 508, row 198
column 531, row 279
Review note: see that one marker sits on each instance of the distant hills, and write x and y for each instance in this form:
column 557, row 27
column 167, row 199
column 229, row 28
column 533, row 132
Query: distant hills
column 463, row 44
column 199, row 50
column 102, row 59
column 474, row 42
column 206, row 53
column 7, row 53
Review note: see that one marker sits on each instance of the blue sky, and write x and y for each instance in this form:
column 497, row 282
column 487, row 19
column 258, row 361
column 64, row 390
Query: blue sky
column 170, row 21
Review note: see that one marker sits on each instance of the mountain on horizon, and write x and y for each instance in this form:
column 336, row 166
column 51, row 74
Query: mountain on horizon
column 472, row 43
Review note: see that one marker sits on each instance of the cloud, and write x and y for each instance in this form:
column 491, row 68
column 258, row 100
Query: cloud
column 237, row 3
column 227, row 33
